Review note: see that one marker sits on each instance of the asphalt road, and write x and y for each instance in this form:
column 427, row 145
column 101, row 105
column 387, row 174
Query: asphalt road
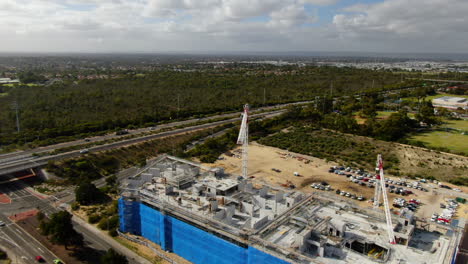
column 26, row 247
column 12, row 165
column 27, row 154
column 22, row 244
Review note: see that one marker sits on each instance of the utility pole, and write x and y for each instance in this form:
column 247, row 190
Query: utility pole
column 16, row 107
column 264, row 95
column 178, row 105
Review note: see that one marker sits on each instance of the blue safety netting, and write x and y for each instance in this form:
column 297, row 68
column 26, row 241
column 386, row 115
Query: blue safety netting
column 186, row 240
column 257, row 256
column 129, row 216
column 199, row 246
column 150, row 223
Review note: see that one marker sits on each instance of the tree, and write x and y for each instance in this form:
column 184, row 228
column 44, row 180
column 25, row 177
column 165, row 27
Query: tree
column 426, row 113
column 111, row 180
column 324, row 104
column 112, row 257
column 395, row 127
column 87, row 193
column 61, row 230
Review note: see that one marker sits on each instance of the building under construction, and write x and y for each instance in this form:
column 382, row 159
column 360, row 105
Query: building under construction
column 207, row 216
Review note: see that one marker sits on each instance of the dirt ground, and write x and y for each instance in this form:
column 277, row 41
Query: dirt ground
column 262, row 159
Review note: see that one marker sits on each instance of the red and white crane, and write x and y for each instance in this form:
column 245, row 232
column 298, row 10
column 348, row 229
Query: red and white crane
column 243, row 139
column 380, row 189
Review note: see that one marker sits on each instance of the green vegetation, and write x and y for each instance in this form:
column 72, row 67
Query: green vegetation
column 213, row 147
column 450, row 136
column 448, row 141
column 30, row 77
column 96, row 165
column 386, row 114
column 3, row 255
column 459, row 181
column 330, row 145
column 112, row 257
column 61, row 231
column 86, row 193
column 69, row 109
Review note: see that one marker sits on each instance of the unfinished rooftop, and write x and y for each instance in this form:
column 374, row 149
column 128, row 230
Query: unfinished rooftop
column 288, row 224
column 209, row 193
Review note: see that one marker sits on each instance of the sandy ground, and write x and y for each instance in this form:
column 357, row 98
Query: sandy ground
column 262, row 159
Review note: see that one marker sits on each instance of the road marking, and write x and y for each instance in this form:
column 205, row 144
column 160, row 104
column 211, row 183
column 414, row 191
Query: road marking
column 10, row 239
column 40, row 249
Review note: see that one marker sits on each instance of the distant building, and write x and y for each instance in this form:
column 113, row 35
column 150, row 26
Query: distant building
column 8, row 81
column 450, row 102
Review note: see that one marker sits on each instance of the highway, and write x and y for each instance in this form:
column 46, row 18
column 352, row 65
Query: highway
column 22, row 160
column 19, row 155
column 11, row 163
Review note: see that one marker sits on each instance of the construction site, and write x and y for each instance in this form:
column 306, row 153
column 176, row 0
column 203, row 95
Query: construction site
column 207, row 215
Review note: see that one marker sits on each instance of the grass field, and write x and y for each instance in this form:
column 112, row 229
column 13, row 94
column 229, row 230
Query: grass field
column 385, row 114
column 456, row 124
column 453, row 140
column 3, row 94
column 380, row 115
column 13, row 84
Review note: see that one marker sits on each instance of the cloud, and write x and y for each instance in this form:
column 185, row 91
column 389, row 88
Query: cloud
column 226, row 25
column 405, row 18
column 320, row 2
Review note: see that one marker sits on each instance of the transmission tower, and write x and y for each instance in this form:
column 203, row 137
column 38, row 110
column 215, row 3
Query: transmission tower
column 243, row 139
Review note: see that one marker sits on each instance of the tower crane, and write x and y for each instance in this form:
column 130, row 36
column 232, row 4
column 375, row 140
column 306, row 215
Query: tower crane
column 380, row 189
column 243, row 139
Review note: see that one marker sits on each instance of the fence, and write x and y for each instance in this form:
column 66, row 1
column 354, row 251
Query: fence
column 146, row 244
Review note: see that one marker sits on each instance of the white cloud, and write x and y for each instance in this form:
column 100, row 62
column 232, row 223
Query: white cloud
column 159, row 25
column 320, row 2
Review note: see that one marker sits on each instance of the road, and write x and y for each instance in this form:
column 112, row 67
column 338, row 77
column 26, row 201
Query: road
column 23, row 199
column 22, row 244
column 27, row 154
column 21, row 160
column 11, row 164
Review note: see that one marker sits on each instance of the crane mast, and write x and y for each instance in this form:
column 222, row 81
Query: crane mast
column 243, row 139
column 388, row 216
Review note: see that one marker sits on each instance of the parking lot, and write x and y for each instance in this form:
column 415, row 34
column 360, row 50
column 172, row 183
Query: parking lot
column 278, row 167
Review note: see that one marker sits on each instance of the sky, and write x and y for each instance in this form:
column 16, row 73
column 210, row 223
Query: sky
column 200, row 26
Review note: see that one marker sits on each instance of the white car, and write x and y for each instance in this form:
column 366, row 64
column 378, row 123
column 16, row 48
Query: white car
column 84, row 151
column 457, row 190
column 2, row 223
